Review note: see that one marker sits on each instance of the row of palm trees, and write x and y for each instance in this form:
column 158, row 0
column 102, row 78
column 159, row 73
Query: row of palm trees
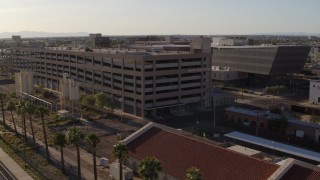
column 75, row 136
column 24, row 108
column 149, row 167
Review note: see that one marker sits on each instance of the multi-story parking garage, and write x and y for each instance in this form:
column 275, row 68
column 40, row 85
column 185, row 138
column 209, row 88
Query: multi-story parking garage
column 145, row 83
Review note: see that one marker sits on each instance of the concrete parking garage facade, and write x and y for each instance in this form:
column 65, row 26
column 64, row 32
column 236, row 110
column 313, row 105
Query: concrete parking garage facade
column 140, row 83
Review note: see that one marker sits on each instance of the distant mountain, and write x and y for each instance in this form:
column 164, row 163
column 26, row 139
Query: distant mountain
column 289, row 34
column 31, row 34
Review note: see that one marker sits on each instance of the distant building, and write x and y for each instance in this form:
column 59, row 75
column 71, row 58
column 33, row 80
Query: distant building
column 200, row 44
column 229, row 41
column 16, row 38
column 98, row 41
column 262, row 60
column 315, row 53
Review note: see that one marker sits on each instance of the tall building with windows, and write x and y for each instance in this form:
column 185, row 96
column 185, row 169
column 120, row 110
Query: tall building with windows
column 140, row 82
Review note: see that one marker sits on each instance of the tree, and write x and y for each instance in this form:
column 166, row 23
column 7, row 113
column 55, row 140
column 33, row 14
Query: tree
column 149, row 168
column 100, row 99
column 59, row 139
column 120, row 151
column 41, row 111
column 46, row 94
column 193, row 173
column 2, row 96
column 30, row 109
column 92, row 139
column 22, row 110
column 11, row 106
column 74, row 136
column 88, row 100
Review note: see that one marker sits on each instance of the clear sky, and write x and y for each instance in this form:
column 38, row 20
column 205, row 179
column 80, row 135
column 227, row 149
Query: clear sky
column 132, row 17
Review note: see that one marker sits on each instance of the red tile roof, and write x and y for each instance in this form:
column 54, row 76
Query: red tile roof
column 177, row 153
column 297, row 172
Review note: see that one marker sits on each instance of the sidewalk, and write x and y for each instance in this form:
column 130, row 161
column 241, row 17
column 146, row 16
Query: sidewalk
column 13, row 167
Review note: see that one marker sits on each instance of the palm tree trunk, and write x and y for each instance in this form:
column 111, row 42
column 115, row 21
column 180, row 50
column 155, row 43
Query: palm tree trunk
column 120, row 169
column 94, row 163
column 78, row 159
column 2, row 109
column 62, row 159
column 24, row 128
column 14, row 123
column 32, row 132
column 45, row 138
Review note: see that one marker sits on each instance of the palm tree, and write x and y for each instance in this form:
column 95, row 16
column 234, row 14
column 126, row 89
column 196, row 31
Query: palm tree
column 41, row 111
column 74, row 136
column 30, row 109
column 59, row 139
column 22, row 110
column 149, row 168
column 2, row 96
column 193, row 173
column 121, row 153
column 11, row 106
column 92, row 139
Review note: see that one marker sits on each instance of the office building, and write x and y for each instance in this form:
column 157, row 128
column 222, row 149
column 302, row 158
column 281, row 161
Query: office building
column 98, row 41
column 261, row 60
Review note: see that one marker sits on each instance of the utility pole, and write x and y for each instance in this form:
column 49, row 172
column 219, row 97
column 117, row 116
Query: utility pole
column 257, row 123
column 214, row 114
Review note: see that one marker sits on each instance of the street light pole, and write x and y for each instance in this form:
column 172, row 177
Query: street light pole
column 214, row 114
column 257, row 123
column 121, row 99
column 273, row 147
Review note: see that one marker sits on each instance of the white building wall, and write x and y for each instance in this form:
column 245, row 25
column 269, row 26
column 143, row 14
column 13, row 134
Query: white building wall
column 24, row 82
column 314, row 92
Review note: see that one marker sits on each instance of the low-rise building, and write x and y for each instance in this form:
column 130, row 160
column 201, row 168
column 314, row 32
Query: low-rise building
column 261, row 119
column 177, row 151
column 221, row 98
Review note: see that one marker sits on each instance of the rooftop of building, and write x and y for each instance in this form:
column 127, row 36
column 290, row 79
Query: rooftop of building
column 263, row 46
column 299, row 172
column 127, row 50
column 270, row 116
column 178, row 152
